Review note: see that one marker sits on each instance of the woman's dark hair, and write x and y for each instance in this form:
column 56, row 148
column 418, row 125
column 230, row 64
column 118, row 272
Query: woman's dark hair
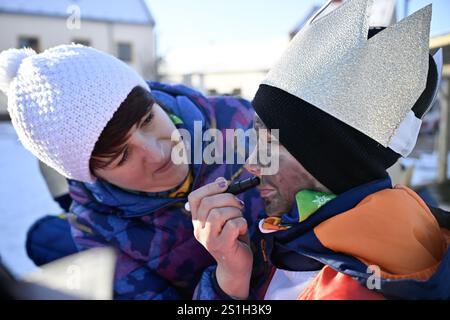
column 112, row 139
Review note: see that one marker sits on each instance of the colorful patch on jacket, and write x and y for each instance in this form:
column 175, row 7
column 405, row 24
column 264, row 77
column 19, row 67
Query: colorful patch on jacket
column 307, row 202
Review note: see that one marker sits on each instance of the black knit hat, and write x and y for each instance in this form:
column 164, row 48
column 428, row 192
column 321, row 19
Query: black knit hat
column 336, row 154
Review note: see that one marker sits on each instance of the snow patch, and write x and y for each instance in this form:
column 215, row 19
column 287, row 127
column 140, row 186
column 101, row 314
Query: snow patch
column 24, row 198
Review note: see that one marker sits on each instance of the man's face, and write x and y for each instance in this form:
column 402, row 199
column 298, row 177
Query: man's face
column 278, row 190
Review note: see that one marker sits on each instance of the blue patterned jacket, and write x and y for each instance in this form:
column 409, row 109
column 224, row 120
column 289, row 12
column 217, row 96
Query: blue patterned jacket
column 159, row 258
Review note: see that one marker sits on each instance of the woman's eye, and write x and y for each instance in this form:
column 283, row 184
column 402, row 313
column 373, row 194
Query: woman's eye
column 148, row 119
column 124, row 158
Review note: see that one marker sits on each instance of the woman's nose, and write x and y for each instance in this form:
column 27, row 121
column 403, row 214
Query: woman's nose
column 152, row 152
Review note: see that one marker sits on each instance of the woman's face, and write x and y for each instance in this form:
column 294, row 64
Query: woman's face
column 145, row 164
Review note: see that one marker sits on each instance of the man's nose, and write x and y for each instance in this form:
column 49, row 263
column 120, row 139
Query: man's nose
column 252, row 166
column 254, row 169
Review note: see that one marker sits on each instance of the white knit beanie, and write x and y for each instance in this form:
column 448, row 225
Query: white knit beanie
column 61, row 100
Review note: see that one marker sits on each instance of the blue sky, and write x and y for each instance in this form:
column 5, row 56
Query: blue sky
column 182, row 23
column 441, row 13
column 189, row 28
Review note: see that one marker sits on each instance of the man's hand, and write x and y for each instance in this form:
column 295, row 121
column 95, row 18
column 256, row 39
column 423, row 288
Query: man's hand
column 221, row 229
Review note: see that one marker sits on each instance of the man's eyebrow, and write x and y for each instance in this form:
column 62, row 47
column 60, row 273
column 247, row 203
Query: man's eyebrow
column 258, row 123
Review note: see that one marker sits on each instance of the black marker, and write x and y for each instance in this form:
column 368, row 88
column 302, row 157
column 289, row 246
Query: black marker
column 243, row 185
column 236, row 188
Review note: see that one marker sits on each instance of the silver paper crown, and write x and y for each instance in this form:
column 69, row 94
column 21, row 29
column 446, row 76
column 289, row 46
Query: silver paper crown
column 369, row 84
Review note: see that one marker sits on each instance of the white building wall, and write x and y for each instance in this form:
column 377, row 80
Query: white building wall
column 142, row 39
column 104, row 36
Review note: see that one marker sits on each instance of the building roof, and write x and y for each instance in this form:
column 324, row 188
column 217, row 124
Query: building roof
column 124, row 11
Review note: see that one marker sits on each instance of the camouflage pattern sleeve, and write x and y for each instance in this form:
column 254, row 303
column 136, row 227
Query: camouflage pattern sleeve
column 208, row 288
column 134, row 280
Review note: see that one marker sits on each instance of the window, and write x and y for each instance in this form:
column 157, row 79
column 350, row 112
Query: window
column 236, row 92
column 29, row 42
column 84, row 42
column 124, row 51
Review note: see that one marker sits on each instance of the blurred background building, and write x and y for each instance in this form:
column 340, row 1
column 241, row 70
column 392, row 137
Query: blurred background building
column 124, row 28
column 216, row 75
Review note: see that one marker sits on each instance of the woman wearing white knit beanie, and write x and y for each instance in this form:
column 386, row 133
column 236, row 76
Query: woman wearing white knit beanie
column 93, row 119
column 61, row 100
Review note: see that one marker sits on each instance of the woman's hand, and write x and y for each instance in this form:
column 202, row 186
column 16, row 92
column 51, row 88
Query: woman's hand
column 221, row 229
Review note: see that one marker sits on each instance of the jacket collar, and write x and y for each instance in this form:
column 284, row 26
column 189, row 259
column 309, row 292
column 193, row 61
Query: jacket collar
column 288, row 249
column 299, row 249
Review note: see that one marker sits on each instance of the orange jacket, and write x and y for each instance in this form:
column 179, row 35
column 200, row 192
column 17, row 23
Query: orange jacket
column 392, row 229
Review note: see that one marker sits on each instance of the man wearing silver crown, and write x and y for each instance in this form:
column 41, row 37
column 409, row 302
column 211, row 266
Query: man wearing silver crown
column 348, row 101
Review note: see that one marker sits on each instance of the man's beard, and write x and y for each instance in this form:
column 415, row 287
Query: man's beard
column 276, row 205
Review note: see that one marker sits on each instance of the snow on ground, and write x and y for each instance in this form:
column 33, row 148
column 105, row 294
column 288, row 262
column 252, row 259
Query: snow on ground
column 23, row 199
